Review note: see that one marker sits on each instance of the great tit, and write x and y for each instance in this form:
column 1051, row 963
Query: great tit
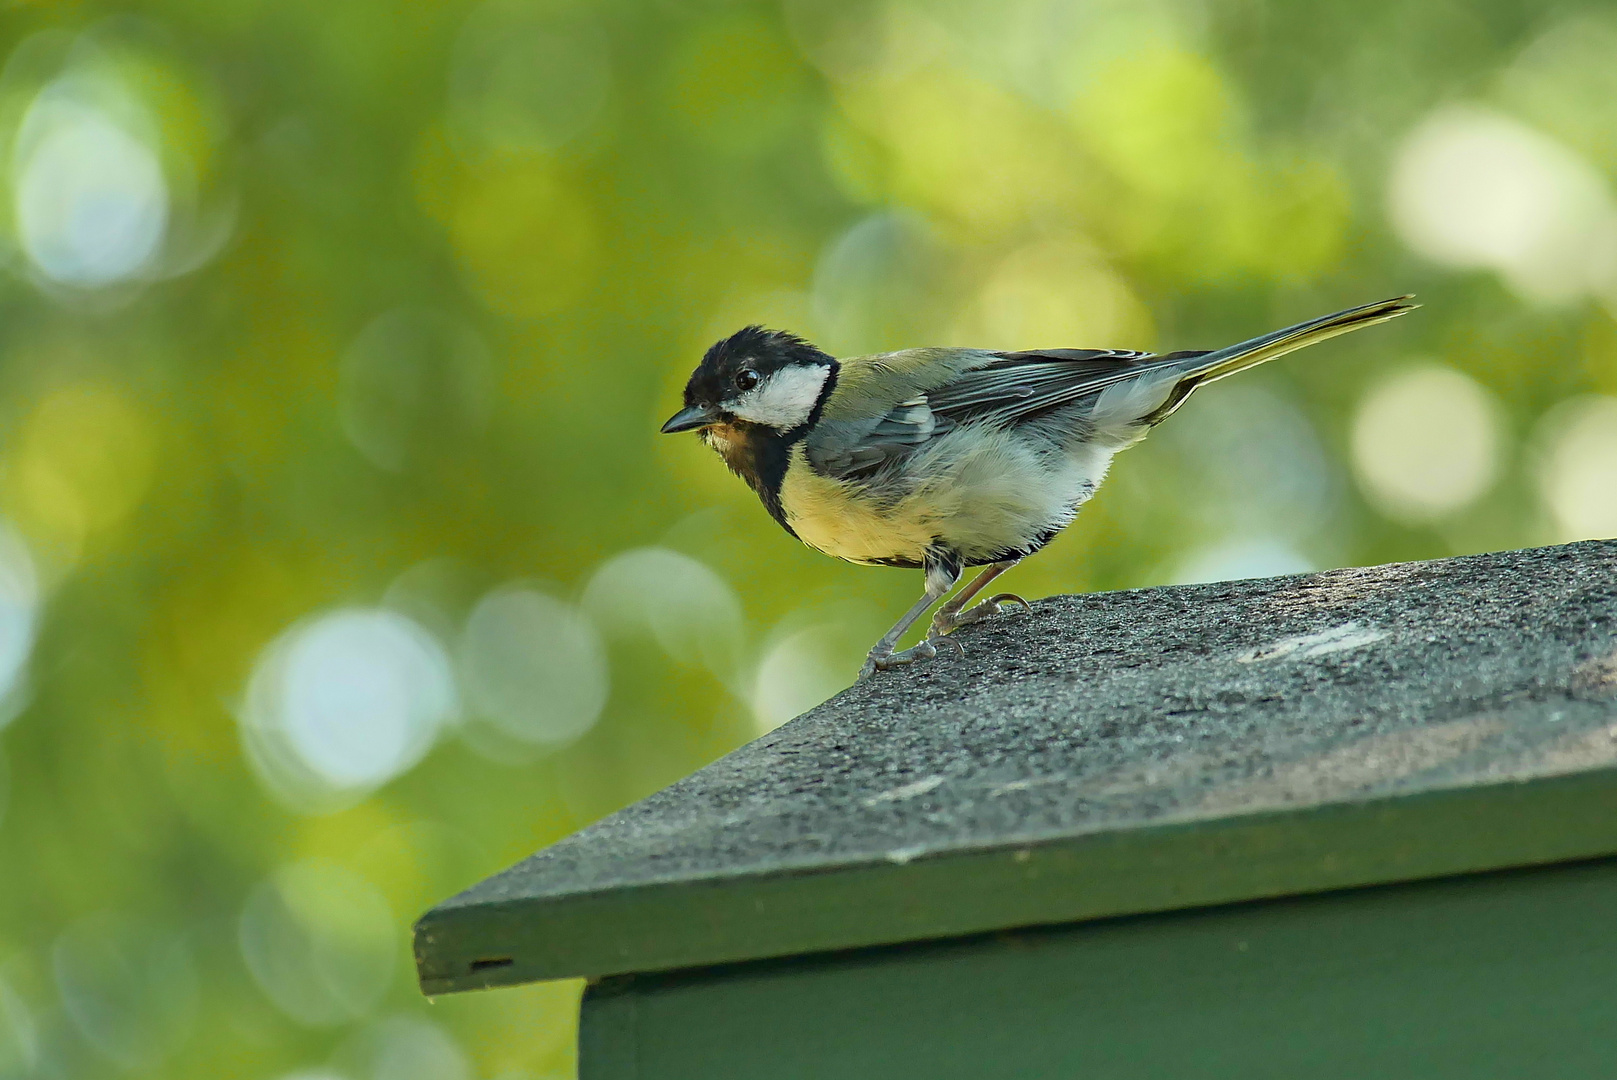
column 943, row 458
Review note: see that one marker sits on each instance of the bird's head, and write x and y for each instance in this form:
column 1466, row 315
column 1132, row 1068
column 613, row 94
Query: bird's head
column 765, row 377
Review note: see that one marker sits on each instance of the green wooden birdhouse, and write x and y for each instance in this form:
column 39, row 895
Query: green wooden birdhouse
column 1346, row 825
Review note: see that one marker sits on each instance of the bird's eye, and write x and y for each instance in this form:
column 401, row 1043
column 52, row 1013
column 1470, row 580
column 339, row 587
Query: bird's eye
column 746, row 379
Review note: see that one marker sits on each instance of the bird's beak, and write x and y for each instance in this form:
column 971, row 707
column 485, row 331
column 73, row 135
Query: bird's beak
column 692, row 416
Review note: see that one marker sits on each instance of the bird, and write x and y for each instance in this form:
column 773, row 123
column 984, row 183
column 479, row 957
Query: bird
column 940, row 459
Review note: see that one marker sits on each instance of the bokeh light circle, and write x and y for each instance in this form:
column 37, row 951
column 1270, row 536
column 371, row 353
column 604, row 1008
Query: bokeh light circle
column 1471, row 188
column 1426, row 443
column 405, row 1047
column 19, row 618
column 1255, row 465
column 875, row 282
column 801, row 668
column 83, row 461
column 534, row 666
column 342, row 703
column 130, row 988
column 90, row 199
column 20, row 1041
column 690, row 610
column 1051, row 292
column 1576, row 470
column 320, row 942
column 1239, row 560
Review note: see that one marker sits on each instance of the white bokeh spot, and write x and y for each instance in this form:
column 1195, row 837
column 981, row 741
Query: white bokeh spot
column 1426, row 444
column 798, row 672
column 1474, row 189
column 343, row 703
column 1577, row 467
column 90, row 199
column 534, row 666
column 1239, row 560
column 19, row 618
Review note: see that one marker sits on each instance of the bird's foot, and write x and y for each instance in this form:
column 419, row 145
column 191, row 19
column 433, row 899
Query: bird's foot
column 946, row 623
column 885, row 661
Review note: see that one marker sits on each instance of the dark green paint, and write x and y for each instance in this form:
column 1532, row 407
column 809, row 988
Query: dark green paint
column 1121, row 873
column 1499, row 976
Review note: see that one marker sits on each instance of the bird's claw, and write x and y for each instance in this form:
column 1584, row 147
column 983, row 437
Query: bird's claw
column 925, row 650
column 1004, row 599
column 994, row 605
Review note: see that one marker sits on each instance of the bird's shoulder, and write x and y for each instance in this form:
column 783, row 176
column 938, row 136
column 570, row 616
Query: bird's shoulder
column 867, row 386
column 878, row 408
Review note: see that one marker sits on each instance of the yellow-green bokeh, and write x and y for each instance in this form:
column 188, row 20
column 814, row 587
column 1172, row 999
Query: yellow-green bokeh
column 341, row 563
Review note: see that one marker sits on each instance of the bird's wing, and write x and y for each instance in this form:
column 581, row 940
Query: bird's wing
column 1017, row 386
column 862, row 432
column 878, row 411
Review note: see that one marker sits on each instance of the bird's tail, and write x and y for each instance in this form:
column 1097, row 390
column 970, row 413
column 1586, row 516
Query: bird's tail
column 1210, row 367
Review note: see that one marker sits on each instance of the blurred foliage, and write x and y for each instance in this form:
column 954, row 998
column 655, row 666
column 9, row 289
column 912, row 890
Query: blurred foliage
column 341, row 562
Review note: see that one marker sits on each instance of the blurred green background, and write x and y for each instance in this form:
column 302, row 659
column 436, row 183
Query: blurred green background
column 341, row 563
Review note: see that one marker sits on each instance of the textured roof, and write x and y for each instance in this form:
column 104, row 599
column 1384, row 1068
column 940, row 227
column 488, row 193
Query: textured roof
column 1109, row 754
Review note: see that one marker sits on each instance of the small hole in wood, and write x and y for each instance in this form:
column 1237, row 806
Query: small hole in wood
column 495, row 962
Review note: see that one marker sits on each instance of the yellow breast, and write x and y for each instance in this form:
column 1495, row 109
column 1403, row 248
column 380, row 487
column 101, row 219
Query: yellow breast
column 978, row 492
column 842, row 520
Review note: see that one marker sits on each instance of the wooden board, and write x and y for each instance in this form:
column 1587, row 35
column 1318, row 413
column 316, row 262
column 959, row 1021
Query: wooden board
column 1500, row 976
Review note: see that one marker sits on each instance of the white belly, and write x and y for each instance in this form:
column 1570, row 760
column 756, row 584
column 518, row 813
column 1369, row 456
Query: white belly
column 978, row 492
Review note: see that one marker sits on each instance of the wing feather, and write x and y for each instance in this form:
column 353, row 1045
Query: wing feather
column 993, row 387
column 1016, row 385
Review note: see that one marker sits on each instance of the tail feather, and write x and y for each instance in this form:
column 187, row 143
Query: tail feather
column 1210, row 367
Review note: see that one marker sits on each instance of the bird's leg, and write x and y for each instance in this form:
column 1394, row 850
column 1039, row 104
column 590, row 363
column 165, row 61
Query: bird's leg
column 942, row 572
column 950, row 616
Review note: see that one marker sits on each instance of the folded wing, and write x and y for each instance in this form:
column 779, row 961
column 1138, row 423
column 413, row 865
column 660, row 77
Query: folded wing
column 1003, row 388
column 899, row 402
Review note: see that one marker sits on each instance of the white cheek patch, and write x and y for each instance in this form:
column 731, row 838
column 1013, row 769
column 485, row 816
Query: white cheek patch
column 784, row 399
